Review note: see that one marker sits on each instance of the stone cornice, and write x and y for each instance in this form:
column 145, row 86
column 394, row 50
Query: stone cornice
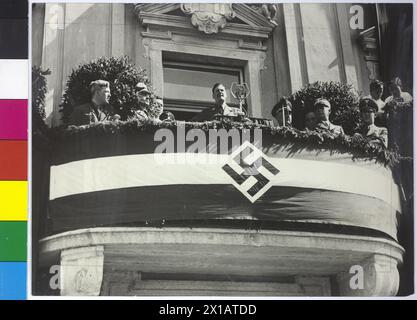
column 253, row 18
column 320, row 242
column 156, row 7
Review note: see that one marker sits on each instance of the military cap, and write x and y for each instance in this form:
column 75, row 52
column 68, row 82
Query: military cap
column 322, row 102
column 166, row 115
column 142, row 88
column 368, row 105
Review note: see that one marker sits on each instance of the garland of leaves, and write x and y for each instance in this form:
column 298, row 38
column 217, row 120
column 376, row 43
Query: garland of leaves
column 358, row 146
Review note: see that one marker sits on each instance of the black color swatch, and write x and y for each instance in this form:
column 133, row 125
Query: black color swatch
column 13, row 29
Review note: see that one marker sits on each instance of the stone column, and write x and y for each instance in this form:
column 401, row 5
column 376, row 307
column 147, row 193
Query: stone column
column 375, row 276
column 81, row 271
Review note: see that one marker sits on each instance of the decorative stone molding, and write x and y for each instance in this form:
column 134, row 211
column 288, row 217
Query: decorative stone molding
column 251, row 46
column 81, row 272
column 156, row 7
column 167, row 35
column 268, row 10
column 209, row 17
column 376, row 276
column 252, row 16
column 368, row 40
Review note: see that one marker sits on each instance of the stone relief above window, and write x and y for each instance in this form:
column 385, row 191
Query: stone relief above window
column 238, row 20
column 209, row 17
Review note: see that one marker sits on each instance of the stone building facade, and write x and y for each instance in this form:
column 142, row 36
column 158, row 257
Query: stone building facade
column 307, row 43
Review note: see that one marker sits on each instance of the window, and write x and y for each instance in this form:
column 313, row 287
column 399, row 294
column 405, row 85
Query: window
column 187, row 87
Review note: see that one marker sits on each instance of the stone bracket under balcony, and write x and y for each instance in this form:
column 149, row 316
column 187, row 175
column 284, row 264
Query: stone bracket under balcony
column 167, row 261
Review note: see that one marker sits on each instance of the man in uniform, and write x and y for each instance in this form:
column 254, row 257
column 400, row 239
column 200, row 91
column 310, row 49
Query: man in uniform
column 368, row 108
column 322, row 109
column 144, row 99
column 98, row 109
column 220, row 106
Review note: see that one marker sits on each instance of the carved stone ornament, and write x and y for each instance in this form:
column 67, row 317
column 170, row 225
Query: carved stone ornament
column 209, row 17
column 81, row 271
column 268, row 10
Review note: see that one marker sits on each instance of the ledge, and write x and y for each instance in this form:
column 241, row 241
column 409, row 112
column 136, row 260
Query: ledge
column 313, row 249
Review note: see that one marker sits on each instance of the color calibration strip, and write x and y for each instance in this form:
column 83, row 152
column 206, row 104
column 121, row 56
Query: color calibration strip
column 13, row 149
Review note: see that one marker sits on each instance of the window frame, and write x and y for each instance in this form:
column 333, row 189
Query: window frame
column 195, row 106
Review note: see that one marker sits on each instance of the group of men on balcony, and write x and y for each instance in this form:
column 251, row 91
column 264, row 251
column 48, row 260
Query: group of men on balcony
column 374, row 112
column 371, row 108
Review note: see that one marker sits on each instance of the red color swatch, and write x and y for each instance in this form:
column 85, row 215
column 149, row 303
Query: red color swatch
column 13, row 160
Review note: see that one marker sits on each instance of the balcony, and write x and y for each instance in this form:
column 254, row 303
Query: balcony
column 128, row 217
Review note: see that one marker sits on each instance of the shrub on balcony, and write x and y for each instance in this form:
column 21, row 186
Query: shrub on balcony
column 344, row 99
column 122, row 75
column 39, row 90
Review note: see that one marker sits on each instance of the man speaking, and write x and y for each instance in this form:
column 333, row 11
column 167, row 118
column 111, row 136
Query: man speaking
column 220, row 106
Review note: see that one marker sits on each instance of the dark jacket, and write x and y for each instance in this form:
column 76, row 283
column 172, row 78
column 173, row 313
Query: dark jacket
column 85, row 114
column 208, row 114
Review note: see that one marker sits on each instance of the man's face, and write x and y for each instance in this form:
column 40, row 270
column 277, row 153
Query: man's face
column 310, row 120
column 219, row 94
column 144, row 99
column 376, row 93
column 368, row 117
column 322, row 112
column 159, row 106
column 102, row 96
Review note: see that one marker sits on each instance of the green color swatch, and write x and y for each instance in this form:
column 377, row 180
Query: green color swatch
column 13, row 238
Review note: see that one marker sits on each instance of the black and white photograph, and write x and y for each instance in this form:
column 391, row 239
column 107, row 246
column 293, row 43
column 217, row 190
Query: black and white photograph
column 221, row 149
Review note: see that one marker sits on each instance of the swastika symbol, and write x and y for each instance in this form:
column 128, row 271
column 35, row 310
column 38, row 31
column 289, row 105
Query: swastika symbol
column 250, row 159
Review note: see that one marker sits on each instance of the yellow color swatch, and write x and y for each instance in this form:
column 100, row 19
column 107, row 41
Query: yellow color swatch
column 13, row 200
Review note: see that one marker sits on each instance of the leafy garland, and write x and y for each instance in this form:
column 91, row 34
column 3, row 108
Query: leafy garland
column 358, row 146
